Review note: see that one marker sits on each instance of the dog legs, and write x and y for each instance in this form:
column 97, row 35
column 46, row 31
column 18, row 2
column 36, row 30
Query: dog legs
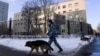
column 48, row 48
column 37, row 50
column 30, row 52
column 49, row 51
column 42, row 49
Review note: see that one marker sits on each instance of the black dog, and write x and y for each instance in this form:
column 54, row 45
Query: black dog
column 38, row 43
column 85, row 39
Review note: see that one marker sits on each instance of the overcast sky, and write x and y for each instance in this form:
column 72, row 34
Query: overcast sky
column 92, row 10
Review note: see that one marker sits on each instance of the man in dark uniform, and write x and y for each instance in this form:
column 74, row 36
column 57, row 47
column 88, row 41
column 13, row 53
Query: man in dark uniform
column 52, row 33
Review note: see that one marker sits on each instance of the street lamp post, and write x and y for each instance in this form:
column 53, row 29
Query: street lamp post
column 81, row 26
column 68, row 23
column 10, row 25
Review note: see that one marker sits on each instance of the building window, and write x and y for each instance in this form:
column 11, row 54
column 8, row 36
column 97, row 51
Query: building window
column 32, row 13
column 58, row 12
column 21, row 19
column 15, row 23
column 43, row 18
column 40, row 19
column 64, row 6
column 18, row 23
column 64, row 11
column 63, row 17
column 24, row 23
column 70, row 17
column 69, row 5
column 76, row 4
column 58, row 7
column 70, row 10
column 77, row 16
column 63, row 30
column 76, row 9
column 21, row 23
column 24, row 27
column 17, row 16
column 41, row 11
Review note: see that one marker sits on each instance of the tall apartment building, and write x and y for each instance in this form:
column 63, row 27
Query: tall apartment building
column 18, row 24
column 3, row 17
column 3, row 11
column 72, row 10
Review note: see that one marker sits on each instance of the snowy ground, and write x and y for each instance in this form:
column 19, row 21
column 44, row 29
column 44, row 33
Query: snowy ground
column 69, row 44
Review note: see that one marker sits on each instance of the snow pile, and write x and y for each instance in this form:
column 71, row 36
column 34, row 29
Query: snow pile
column 68, row 44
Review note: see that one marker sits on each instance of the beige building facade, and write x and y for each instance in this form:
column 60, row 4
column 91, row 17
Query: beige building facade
column 73, row 10
column 18, row 24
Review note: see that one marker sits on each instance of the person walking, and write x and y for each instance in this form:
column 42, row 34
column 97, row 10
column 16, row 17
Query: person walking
column 52, row 33
column 82, row 34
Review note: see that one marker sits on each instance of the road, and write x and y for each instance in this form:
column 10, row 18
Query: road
column 6, row 51
column 96, row 47
column 93, row 49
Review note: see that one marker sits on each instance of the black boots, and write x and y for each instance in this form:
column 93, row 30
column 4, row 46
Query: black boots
column 60, row 50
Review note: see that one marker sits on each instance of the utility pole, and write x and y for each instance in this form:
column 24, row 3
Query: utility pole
column 10, row 26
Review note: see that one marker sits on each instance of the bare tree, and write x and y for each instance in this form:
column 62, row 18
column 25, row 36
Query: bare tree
column 48, row 8
column 34, row 8
column 30, row 13
column 98, row 27
column 26, row 14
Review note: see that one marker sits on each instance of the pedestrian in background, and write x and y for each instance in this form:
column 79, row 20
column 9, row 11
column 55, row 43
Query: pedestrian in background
column 82, row 34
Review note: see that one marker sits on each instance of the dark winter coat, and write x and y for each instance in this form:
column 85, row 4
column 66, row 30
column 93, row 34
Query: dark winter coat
column 82, row 34
column 53, row 30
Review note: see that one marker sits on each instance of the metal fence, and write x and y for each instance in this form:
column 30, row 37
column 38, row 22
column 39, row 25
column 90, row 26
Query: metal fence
column 22, row 27
column 74, row 27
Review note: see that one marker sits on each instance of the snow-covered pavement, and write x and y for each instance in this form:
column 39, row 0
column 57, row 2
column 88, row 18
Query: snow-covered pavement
column 69, row 45
column 96, row 47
